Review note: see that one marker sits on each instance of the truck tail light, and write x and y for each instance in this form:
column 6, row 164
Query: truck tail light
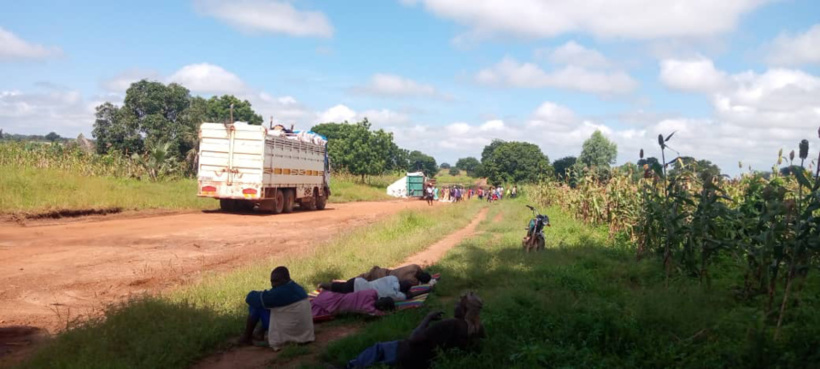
column 209, row 189
column 249, row 191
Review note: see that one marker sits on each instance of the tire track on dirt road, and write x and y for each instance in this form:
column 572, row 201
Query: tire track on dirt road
column 249, row 357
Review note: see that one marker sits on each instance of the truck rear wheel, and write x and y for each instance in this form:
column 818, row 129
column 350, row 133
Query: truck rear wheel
column 308, row 203
column 227, row 205
column 288, row 204
column 321, row 201
column 278, row 202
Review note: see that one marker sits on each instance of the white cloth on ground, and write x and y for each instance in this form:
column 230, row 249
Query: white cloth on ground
column 386, row 287
column 291, row 323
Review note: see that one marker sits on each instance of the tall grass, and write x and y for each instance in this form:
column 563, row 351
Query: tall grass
column 174, row 330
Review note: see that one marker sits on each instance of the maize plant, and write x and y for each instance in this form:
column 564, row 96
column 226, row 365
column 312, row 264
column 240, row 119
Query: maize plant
column 769, row 225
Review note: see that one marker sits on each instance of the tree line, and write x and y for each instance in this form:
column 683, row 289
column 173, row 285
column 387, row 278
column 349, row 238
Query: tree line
column 158, row 125
column 358, row 150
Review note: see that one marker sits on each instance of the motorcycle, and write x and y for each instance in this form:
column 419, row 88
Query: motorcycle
column 535, row 231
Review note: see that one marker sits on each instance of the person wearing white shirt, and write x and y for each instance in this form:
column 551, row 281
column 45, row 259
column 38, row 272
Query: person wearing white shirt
column 388, row 286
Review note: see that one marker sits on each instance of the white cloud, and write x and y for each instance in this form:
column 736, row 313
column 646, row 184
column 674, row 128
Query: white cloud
column 790, row 50
column 45, row 110
column 208, row 78
column 511, row 73
column 391, row 85
column 285, row 110
column 121, row 82
column 692, row 75
column 339, row 113
column 384, row 117
column 379, row 118
column 267, row 16
column 572, row 53
column 635, row 19
column 13, row 47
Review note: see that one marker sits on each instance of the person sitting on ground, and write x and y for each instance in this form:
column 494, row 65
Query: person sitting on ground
column 389, row 286
column 361, row 302
column 412, row 273
column 284, row 311
column 464, row 332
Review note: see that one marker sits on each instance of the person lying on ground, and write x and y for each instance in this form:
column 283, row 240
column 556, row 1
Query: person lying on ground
column 389, row 286
column 284, row 311
column 361, row 302
column 412, row 273
column 464, row 332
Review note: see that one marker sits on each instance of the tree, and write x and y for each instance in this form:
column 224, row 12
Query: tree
column 341, row 135
column 359, row 151
column 219, row 110
column 598, row 152
column 154, row 114
column 562, row 167
column 331, row 131
column 515, row 162
column 418, row 161
column 650, row 165
column 51, row 136
column 469, row 165
column 112, row 132
column 454, row 171
column 445, row 165
column 700, row 168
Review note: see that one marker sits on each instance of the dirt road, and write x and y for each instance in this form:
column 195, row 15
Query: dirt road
column 51, row 273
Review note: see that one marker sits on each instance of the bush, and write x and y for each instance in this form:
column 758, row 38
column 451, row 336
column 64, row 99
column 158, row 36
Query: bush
column 454, row 171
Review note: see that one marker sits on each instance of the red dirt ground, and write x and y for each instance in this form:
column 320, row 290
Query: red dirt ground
column 55, row 271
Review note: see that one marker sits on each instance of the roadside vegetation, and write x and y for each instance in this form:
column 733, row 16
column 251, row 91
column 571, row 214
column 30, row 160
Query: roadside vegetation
column 586, row 302
column 174, row 330
column 43, row 178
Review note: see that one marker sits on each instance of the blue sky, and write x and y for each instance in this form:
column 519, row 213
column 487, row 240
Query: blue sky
column 738, row 79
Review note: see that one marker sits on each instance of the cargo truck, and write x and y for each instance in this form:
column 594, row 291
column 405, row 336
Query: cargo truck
column 251, row 167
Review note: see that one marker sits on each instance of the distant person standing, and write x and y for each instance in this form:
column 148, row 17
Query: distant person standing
column 514, row 191
column 429, row 194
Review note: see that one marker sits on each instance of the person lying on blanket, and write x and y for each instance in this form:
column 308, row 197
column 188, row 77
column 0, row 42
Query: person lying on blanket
column 389, row 286
column 412, row 273
column 330, row 303
column 464, row 332
column 284, row 311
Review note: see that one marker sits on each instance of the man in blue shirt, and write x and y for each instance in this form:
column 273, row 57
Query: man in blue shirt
column 283, row 292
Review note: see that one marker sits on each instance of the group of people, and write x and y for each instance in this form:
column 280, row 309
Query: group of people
column 458, row 194
column 448, row 194
column 287, row 314
column 497, row 193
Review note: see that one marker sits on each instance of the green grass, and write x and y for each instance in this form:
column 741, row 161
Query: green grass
column 30, row 190
column 34, row 191
column 444, row 178
column 584, row 303
column 176, row 329
column 345, row 190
